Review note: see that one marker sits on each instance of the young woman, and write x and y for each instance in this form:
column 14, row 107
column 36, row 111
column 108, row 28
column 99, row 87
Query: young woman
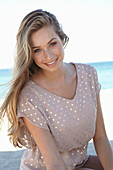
column 54, row 107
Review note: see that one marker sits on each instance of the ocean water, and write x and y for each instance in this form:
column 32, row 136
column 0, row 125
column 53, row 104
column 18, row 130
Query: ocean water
column 104, row 70
column 105, row 74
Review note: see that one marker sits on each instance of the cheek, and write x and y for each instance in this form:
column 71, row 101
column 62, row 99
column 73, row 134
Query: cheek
column 36, row 59
column 60, row 50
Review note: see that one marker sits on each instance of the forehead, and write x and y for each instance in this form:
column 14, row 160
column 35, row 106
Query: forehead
column 43, row 36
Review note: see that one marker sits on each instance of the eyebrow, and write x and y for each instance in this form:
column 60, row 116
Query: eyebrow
column 47, row 43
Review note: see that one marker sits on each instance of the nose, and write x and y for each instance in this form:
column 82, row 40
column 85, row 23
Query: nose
column 48, row 54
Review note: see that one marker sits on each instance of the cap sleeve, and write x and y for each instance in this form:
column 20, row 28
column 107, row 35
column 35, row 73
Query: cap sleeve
column 26, row 108
column 96, row 82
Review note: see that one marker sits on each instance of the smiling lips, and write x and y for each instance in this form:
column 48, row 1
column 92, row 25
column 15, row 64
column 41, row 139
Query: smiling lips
column 51, row 63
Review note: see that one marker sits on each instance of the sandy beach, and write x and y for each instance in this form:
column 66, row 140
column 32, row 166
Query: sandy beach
column 107, row 108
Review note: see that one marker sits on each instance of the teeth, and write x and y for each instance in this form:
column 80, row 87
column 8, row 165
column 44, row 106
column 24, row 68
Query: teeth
column 51, row 62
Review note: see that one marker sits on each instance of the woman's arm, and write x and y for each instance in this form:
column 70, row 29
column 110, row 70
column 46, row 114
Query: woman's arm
column 77, row 169
column 47, row 146
column 101, row 142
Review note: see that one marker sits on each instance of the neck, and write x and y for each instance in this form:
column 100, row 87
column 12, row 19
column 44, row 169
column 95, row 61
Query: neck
column 53, row 77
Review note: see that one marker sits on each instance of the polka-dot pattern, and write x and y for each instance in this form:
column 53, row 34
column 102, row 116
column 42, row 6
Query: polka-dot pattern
column 70, row 121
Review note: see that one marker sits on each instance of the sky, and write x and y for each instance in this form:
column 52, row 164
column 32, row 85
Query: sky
column 88, row 23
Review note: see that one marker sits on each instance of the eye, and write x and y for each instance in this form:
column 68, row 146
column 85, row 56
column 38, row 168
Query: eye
column 37, row 51
column 52, row 44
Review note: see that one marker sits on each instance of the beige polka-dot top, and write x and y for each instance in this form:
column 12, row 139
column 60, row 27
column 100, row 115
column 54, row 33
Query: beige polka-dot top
column 70, row 122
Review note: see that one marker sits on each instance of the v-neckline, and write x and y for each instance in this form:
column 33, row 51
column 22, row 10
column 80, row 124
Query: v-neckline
column 51, row 93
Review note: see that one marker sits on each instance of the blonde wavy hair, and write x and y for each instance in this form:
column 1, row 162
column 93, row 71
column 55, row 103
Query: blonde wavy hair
column 24, row 66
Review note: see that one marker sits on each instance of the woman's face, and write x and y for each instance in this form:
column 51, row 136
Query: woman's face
column 47, row 49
